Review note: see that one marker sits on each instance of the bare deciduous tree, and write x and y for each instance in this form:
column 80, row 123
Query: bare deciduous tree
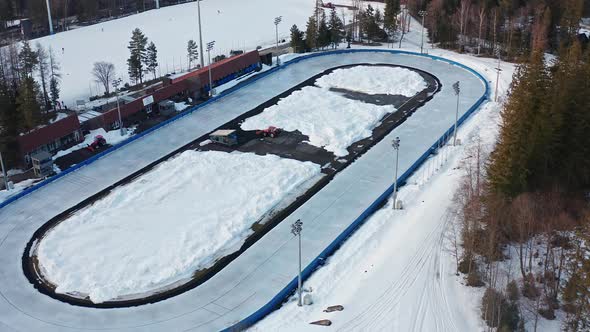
column 103, row 73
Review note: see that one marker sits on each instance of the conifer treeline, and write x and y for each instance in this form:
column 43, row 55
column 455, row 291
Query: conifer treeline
column 29, row 91
column 544, row 141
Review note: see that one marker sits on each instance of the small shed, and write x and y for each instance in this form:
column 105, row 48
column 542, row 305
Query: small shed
column 167, row 107
column 227, row 137
column 42, row 164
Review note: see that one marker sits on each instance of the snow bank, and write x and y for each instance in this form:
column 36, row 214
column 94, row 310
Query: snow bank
column 18, row 187
column 330, row 120
column 113, row 137
column 167, row 224
column 375, row 80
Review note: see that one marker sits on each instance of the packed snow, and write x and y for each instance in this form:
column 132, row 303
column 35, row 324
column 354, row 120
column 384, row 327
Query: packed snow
column 375, row 80
column 113, row 248
column 170, row 28
column 328, row 119
column 112, row 137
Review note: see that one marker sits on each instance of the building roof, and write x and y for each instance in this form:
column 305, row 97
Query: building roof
column 41, row 136
column 223, row 132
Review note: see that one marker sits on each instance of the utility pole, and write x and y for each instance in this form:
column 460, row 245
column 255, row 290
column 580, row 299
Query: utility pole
column 277, row 22
column 200, row 33
column 116, row 84
column 49, row 17
column 457, row 89
column 157, row 4
column 4, row 173
column 209, row 48
column 395, row 145
column 498, row 69
column 296, row 229
column 423, row 14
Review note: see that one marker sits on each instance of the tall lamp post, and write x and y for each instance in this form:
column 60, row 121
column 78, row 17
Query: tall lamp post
column 498, row 69
column 296, row 229
column 116, row 84
column 209, row 48
column 4, row 173
column 49, row 17
column 395, row 145
column 200, row 33
column 457, row 89
column 423, row 14
column 277, row 22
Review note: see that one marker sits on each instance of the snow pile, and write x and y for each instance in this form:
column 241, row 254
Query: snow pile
column 375, row 80
column 18, row 187
column 127, row 243
column 179, row 107
column 328, row 119
column 112, row 137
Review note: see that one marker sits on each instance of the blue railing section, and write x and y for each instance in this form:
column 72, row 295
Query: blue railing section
column 278, row 299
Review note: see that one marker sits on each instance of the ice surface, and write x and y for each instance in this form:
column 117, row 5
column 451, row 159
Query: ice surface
column 168, row 223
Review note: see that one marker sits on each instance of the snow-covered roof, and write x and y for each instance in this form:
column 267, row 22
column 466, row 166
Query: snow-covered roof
column 223, row 132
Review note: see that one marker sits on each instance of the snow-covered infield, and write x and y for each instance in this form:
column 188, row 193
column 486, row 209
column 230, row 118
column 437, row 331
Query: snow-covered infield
column 375, row 80
column 156, row 231
column 331, row 120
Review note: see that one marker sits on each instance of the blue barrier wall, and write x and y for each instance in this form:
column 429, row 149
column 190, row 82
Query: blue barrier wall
column 278, row 299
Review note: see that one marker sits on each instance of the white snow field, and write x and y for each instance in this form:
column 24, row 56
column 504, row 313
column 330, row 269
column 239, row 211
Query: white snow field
column 329, row 119
column 257, row 275
column 199, row 206
column 375, row 80
column 232, row 24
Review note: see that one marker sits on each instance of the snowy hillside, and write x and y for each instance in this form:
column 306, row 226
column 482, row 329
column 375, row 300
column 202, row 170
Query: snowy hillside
column 233, row 24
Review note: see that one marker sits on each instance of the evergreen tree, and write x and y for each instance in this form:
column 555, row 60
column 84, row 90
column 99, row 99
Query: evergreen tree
column 28, row 105
column 55, row 77
column 527, row 131
column 192, row 51
column 28, row 59
column 336, row 28
column 311, row 33
column 151, row 59
column 297, row 41
column 138, row 55
column 323, row 32
column 392, row 9
column 43, row 71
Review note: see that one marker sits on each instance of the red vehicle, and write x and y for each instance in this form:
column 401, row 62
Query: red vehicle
column 269, row 132
column 99, row 142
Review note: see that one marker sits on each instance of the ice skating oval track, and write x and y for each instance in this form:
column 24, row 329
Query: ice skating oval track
column 260, row 276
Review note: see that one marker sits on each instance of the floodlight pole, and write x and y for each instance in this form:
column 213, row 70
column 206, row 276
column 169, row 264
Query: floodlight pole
column 277, row 21
column 498, row 75
column 200, row 33
column 116, row 84
column 296, row 229
column 209, row 48
column 457, row 89
column 422, row 13
column 395, row 145
column 4, row 173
